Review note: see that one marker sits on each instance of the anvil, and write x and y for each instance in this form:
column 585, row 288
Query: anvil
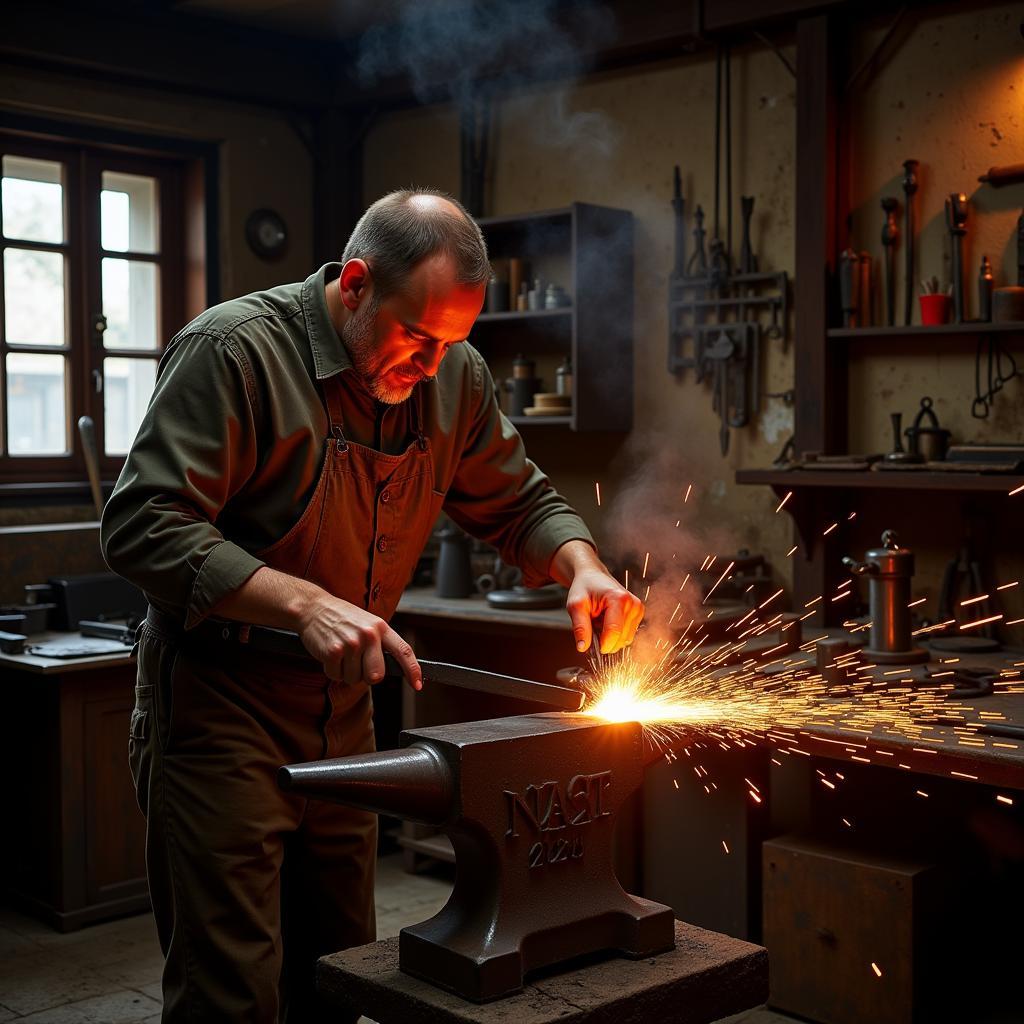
column 529, row 803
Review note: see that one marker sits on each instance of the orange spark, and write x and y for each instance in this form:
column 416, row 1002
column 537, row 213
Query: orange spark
column 686, row 497
column 876, row 968
column 789, row 494
column 1016, row 490
column 980, row 622
column 974, row 600
column 728, row 569
column 597, row 489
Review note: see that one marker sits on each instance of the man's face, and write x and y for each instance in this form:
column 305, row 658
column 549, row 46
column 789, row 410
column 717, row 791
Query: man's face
column 400, row 341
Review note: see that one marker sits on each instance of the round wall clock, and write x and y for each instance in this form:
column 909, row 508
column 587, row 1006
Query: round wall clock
column 266, row 233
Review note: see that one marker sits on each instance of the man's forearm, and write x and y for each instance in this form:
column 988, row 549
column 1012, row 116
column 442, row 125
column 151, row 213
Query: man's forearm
column 572, row 557
column 271, row 598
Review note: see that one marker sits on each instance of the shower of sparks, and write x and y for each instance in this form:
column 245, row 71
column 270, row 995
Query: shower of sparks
column 690, row 694
column 789, row 494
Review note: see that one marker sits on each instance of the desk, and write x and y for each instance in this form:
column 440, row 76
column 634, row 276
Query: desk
column 75, row 838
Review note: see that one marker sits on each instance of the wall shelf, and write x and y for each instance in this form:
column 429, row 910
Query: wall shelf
column 917, row 332
column 514, row 316
column 972, row 483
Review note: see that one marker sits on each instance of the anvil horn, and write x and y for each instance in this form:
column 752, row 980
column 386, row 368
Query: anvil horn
column 414, row 783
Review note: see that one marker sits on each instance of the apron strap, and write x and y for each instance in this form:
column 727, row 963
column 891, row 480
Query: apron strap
column 332, row 397
column 421, row 438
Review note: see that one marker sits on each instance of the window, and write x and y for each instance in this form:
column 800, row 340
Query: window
column 91, row 287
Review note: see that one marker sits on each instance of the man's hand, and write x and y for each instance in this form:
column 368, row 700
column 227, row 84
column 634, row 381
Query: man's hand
column 349, row 641
column 594, row 592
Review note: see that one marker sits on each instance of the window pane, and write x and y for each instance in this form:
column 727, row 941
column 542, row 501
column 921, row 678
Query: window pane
column 129, row 218
column 129, row 303
column 34, row 297
column 36, row 404
column 127, row 385
column 33, row 199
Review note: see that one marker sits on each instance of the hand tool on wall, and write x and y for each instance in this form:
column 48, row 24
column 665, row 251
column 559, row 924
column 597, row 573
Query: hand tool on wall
column 849, row 285
column 889, row 570
column 997, row 177
column 719, row 353
column 910, row 185
column 698, row 265
column 890, row 235
column 748, row 262
column 865, row 307
column 956, row 217
column 985, row 285
column 678, row 209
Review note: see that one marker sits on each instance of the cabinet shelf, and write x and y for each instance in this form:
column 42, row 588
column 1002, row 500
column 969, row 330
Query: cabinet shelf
column 588, row 250
column 792, row 479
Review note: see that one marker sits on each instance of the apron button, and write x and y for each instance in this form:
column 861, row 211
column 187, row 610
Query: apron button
column 385, row 496
column 382, row 543
column 375, row 593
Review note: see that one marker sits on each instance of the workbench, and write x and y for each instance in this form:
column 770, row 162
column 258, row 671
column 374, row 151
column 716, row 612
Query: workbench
column 76, row 838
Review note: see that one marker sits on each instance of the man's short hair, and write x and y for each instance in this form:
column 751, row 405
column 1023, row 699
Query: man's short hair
column 395, row 234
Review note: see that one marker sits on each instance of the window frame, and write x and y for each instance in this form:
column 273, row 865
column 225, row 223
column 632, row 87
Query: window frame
column 186, row 172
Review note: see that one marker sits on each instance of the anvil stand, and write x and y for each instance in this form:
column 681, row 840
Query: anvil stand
column 706, row 977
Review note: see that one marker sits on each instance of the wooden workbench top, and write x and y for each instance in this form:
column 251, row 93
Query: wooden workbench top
column 38, row 665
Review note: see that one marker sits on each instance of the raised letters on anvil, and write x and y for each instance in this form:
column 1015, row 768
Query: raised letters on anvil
column 548, row 807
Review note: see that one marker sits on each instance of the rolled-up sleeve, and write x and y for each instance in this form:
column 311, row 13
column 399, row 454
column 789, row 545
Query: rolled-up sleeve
column 196, row 447
column 502, row 497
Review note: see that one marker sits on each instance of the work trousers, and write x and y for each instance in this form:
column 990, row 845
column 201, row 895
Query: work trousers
column 249, row 885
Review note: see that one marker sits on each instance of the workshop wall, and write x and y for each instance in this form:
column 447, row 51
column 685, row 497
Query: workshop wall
column 613, row 140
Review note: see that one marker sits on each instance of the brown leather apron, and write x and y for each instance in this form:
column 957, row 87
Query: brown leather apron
column 250, row 885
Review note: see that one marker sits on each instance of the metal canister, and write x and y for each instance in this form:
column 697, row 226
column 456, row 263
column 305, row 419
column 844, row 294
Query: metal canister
column 889, row 570
column 563, row 378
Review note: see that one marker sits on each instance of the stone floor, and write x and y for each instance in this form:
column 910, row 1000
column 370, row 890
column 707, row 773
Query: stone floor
column 110, row 973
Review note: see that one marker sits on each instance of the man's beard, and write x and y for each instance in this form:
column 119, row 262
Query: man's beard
column 357, row 333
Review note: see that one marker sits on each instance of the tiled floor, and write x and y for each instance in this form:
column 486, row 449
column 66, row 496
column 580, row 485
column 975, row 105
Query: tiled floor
column 110, row 973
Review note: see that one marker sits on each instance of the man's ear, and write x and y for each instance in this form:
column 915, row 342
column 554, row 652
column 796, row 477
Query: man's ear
column 354, row 283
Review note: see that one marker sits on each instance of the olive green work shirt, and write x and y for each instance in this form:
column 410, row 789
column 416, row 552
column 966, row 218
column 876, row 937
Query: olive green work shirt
column 231, row 448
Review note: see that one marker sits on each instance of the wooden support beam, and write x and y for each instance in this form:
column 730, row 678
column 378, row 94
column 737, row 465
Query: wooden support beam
column 820, row 371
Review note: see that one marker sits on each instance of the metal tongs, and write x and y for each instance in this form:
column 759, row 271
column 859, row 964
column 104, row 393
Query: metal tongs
column 282, row 641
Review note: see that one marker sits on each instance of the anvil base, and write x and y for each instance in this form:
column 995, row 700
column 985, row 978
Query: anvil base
column 706, row 977
column 631, row 926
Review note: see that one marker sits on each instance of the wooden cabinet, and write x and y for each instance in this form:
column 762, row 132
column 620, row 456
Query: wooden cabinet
column 587, row 251
column 74, row 848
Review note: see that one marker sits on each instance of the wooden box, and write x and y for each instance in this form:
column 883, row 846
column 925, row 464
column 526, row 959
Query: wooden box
column 852, row 937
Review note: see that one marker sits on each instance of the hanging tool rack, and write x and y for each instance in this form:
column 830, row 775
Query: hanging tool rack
column 716, row 305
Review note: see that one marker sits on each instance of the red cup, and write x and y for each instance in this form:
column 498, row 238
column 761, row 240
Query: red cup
column 934, row 309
